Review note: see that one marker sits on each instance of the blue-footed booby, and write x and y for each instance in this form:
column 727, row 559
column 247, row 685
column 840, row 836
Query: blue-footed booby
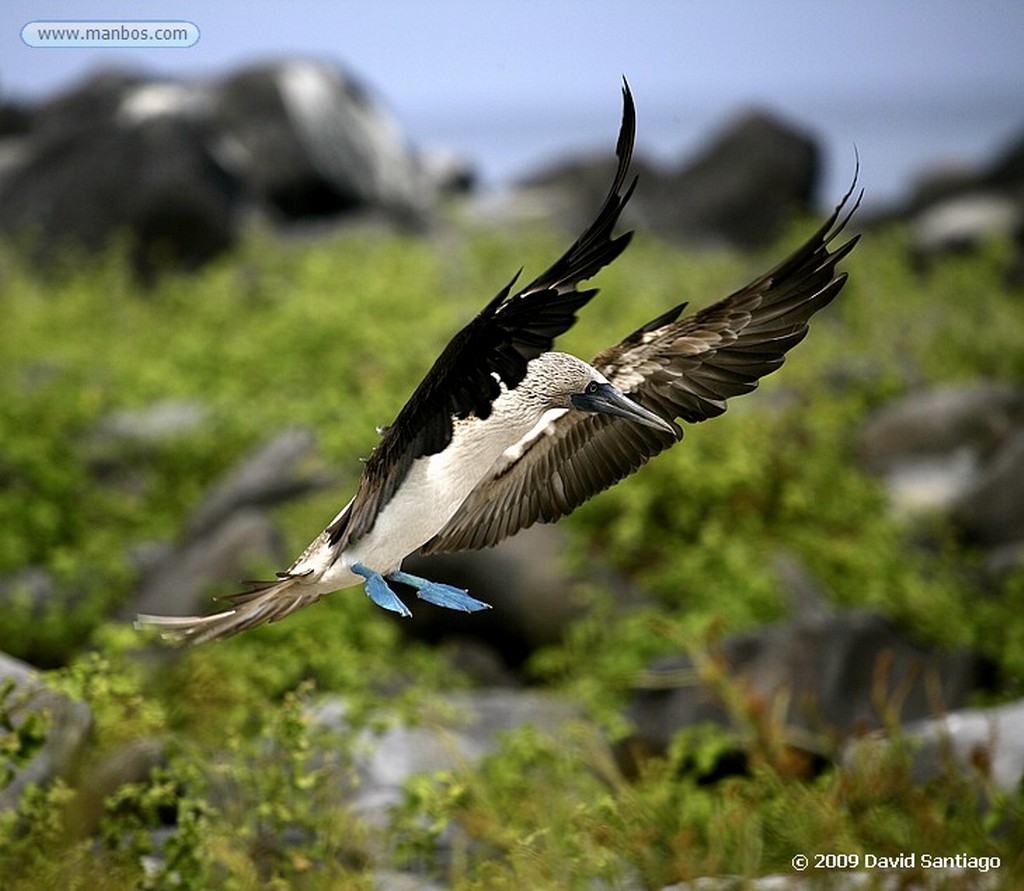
column 503, row 432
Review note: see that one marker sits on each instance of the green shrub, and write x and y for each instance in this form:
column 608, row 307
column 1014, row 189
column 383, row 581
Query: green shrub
column 284, row 335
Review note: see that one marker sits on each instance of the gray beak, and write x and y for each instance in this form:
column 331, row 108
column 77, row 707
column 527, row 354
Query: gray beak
column 607, row 399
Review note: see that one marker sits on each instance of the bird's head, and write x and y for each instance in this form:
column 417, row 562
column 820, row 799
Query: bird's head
column 572, row 383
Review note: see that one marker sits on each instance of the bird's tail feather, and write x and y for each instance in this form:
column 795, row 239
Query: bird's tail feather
column 265, row 602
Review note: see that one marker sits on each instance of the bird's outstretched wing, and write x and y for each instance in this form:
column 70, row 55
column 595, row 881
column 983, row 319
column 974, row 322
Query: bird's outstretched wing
column 680, row 368
column 496, row 345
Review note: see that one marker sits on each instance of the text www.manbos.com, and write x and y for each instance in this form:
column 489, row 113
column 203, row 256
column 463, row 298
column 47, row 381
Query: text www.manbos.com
column 112, row 34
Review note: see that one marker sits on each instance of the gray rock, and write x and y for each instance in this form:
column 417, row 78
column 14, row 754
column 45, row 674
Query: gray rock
column 317, row 143
column 567, row 192
column 955, row 210
column 941, row 420
column 180, row 583
column 805, row 592
column 831, row 673
column 1015, row 271
column 751, row 179
column 270, row 475
column 119, row 448
column 15, row 118
column 229, row 532
column 522, row 578
column 181, row 164
column 748, row 183
column 68, row 727
column 132, row 762
column 988, row 743
column 466, row 727
column 33, row 597
column 1006, row 169
column 931, row 447
column 155, row 425
column 88, row 171
column 991, row 511
column 389, row 880
column 1001, row 560
column 961, row 223
column 467, row 731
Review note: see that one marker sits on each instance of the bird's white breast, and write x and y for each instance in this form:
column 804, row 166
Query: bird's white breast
column 436, row 485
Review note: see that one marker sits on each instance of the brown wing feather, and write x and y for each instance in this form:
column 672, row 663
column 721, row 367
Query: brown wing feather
column 686, row 368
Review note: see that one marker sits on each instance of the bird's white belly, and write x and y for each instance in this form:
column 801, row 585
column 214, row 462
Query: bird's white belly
column 421, row 507
column 428, row 498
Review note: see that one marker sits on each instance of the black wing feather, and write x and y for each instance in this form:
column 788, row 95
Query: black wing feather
column 502, row 339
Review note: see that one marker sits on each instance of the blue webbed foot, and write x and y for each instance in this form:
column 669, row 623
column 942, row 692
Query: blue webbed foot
column 378, row 591
column 439, row 594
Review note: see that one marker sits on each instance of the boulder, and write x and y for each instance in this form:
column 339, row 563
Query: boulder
column 959, row 223
column 66, row 727
column 467, row 728
column 31, row 588
column 317, row 143
column 954, row 211
column 229, row 531
column 750, row 181
column 15, row 119
column 120, row 437
column 1006, row 169
column 987, row 743
column 182, row 581
column 273, row 473
column 830, row 675
column 956, row 449
column 568, row 192
column 991, row 511
column 932, row 446
column 92, row 168
column 741, row 191
column 131, row 762
column 1015, row 271
column 177, row 166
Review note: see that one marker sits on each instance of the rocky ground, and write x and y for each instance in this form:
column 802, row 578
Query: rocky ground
column 955, row 451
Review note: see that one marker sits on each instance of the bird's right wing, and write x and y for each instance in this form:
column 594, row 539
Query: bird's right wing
column 680, row 368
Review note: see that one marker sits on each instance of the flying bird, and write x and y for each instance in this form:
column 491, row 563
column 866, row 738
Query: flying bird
column 504, row 432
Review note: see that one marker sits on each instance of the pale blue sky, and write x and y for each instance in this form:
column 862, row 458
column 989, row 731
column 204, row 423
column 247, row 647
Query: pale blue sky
column 509, row 84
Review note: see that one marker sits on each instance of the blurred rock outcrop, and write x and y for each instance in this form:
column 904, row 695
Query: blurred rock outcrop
column 64, row 729
column 952, row 211
column 176, row 166
column 956, row 451
column 823, row 676
column 228, row 531
column 987, row 742
column 748, row 183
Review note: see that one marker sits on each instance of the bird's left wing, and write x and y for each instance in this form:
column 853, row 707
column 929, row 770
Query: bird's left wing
column 495, row 346
column 680, row 368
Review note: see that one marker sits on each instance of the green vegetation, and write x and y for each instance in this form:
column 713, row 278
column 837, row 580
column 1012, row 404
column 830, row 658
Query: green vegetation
column 291, row 335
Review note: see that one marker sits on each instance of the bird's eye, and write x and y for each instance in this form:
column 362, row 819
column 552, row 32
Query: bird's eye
column 591, row 388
